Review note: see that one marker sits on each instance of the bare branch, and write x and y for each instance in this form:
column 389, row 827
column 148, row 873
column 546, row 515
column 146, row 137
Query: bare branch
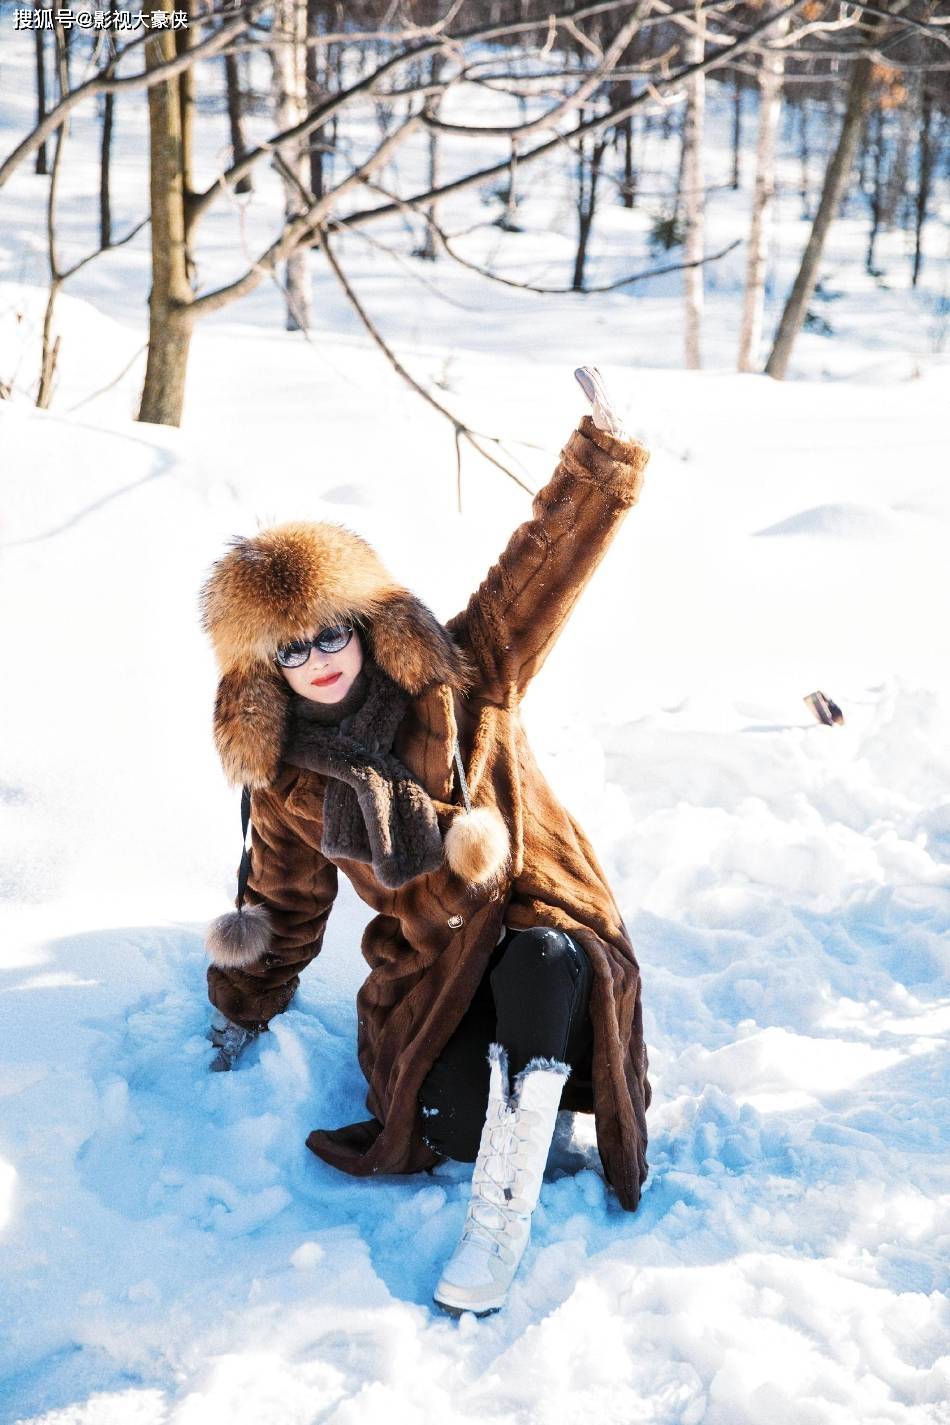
column 653, row 92
column 924, row 27
column 568, row 105
column 301, row 226
column 323, row 112
column 102, row 83
column 110, row 384
column 106, row 247
column 462, row 431
column 567, row 291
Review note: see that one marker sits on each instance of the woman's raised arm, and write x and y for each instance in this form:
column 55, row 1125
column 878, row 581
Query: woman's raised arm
column 517, row 612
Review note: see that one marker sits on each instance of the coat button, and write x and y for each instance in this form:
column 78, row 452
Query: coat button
column 455, row 922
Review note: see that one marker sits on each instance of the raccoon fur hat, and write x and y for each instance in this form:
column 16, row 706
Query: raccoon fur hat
column 282, row 584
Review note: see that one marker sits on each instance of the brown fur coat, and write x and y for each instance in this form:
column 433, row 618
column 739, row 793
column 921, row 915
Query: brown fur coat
column 430, row 941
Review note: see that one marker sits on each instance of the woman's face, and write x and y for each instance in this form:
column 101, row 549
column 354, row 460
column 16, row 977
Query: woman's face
column 327, row 677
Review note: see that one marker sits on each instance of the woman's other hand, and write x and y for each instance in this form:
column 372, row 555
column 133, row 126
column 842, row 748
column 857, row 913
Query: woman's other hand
column 229, row 1039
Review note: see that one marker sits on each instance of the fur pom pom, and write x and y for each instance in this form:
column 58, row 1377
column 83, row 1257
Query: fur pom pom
column 239, row 938
column 477, row 845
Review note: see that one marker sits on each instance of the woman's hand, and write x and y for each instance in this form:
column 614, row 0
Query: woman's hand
column 605, row 417
column 229, row 1039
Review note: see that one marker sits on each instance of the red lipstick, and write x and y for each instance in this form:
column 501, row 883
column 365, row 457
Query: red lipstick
column 325, row 682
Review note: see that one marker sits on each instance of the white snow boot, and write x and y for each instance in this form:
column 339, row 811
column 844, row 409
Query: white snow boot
column 506, row 1183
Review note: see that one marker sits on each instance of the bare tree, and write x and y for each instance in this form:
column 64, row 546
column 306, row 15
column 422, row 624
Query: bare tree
column 38, row 38
column 315, row 91
column 693, row 190
column 428, row 248
column 888, row 160
column 590, row 156
column 105, row 153
column 628, row 182
column 736, row 132
column 50, row 346
column 287, row 54
column 804, row 158
column 170, row 318
column 235, row 102
column 771, row 70
column 837, row 176
column 924, row 176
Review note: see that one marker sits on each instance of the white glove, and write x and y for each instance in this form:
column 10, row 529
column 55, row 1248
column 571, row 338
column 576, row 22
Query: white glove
column 605, row 417
column 229, row 1039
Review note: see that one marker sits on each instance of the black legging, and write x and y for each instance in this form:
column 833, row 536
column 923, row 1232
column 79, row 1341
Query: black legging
column 534, row 1000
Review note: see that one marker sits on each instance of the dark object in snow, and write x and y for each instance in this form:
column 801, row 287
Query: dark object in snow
column 817, row 324
column 824, row 709
column 666, row 231
column 229, row 1039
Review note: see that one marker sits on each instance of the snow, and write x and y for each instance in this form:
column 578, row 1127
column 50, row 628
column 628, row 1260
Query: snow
column 171, row 1252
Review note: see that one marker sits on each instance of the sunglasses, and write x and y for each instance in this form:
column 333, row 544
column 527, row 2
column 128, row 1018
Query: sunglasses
column 328, row 640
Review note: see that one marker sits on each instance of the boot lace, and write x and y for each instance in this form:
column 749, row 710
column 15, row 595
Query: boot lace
column 490, row 1213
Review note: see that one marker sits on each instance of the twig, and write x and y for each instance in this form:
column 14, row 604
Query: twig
column 411, row 271
column 462, row 431
column 105, row 83
column 240, row 209
column 324, row 111
column 567, row 291
column 605, row 64
column 607, row 120
column 103, row 389
column 302, row 226
column 925, row 27
column 106, row 247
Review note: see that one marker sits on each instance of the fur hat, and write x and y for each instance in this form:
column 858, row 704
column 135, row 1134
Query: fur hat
column 282, row 584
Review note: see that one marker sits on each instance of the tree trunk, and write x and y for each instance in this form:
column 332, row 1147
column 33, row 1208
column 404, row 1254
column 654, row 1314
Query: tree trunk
column 170, row 321
column 895, row 181
column 232, row 76
column 105, row 155
column 105, row 152
column 924, row 176
column 68, row 53
column 680, row 171
column 312, row 74
column 186, row 39
column 428, row 249
column 736, row 133
column 875, row 129
column 804, row 157
column 770, row 102
column 693, row 194
column 289, row 70
column 588, row 172
column 628, row 191
column 837, row 175
column 508, row 222
column 40, row 97
column 50, row 344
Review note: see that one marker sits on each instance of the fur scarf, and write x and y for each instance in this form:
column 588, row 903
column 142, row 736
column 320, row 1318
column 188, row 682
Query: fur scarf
column 374, row 810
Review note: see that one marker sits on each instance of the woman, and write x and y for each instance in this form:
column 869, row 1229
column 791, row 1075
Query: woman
column 371, row 739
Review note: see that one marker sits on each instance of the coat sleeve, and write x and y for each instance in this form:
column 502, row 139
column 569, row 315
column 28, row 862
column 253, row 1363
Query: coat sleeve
column 295, row 886
column 517, row 612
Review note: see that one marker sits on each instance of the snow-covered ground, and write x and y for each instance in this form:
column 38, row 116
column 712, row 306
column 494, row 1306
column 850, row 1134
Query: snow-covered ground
column 171, row 1253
